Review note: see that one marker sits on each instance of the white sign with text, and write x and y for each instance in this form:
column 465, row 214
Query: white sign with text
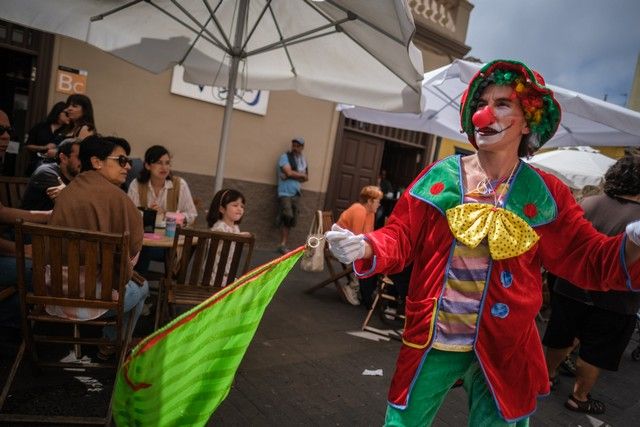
column 252, row 101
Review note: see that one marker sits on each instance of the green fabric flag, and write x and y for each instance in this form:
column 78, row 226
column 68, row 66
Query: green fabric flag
column 180, row 374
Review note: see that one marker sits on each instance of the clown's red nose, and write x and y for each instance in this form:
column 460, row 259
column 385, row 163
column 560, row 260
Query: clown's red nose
column 483, row 117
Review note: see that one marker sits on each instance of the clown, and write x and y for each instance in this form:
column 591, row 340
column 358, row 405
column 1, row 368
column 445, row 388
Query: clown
column 478, row 229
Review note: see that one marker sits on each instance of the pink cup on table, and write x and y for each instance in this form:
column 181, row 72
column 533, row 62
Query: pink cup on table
column 179, row 217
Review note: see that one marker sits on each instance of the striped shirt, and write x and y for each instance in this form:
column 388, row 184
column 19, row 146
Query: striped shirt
column 466, row 278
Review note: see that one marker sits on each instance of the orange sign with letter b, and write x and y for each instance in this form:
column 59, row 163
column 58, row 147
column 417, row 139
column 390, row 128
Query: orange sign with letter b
column 71, row 81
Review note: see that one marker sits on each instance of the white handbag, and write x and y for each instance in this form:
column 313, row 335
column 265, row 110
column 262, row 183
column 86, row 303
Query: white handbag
column 313, row 258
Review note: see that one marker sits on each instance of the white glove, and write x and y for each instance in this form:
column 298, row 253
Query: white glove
column 633, row 232
column 344, row 245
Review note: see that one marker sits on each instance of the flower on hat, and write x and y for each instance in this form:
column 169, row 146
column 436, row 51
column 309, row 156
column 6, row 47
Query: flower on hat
column 541, row 110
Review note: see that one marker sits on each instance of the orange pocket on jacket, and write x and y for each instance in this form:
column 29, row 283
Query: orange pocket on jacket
column 419, row 322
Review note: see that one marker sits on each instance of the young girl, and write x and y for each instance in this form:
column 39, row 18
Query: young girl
column 225, row 214
column 226, row 211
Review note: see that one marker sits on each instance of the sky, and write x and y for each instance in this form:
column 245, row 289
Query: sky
column 590, row 46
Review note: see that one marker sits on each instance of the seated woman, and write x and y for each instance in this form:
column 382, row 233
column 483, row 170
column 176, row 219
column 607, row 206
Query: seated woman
column 359, row 219
column 93, row 201
column 45, row 136
column 80, row 112
column 157, row 188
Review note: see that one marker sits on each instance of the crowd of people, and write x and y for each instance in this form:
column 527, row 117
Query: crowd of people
column 471, row 235
column 81, row 179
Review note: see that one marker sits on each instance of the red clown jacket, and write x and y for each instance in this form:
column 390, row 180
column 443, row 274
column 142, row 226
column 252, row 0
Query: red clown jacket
column 507, row 343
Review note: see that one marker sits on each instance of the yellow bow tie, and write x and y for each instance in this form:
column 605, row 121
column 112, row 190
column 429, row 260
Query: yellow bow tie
column 508, row 235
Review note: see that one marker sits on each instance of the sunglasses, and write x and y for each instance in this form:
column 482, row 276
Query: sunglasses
column 123, row 161
column 4, row 129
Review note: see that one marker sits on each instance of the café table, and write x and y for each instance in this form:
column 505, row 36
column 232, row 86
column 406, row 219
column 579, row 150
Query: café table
column 157, row 239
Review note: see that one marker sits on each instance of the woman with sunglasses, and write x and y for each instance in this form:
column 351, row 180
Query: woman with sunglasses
column 157, row 188
column 94, row 201
column 46, row 135
column 80, row 112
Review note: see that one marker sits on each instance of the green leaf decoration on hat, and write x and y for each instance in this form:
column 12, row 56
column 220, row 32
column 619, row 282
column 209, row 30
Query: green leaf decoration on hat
column 542, row 111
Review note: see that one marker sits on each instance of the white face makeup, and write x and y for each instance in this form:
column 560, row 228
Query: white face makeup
column 484, row 139
column 509, row 124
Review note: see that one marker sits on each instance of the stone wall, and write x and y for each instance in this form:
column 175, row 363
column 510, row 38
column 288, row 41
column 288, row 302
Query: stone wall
column 261, row 208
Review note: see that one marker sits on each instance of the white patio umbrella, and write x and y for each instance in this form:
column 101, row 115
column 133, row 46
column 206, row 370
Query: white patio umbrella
column 438, row 117
column 353, row 51
column 575, row 166
column 585, row 120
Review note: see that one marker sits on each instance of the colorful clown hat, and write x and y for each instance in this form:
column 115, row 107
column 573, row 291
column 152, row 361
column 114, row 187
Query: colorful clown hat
column 541, row 110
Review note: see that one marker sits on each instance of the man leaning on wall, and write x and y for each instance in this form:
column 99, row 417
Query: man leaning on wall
column 292, row 171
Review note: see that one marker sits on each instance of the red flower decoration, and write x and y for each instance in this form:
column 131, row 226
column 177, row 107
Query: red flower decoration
column 437, row 188
column 530, row 210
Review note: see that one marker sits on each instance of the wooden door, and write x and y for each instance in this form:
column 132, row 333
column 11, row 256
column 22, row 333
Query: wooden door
column 402, row 163
column 356, row 163
column 25, row 70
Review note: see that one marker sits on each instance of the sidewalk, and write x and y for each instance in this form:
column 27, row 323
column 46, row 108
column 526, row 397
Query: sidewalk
column 305, row 368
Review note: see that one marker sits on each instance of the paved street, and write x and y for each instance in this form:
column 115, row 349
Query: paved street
column 305, row 368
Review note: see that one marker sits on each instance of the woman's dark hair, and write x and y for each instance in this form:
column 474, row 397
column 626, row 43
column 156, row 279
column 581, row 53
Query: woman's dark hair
column 151, row 156
column 87, row 111
column 525, row 149
column 58, row 108
column 100, row 147
column 221, row 200
column 623, row 177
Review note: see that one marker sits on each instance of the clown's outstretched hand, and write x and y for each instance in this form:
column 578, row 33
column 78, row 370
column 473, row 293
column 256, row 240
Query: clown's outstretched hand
column 344, row 245
column 633, row 232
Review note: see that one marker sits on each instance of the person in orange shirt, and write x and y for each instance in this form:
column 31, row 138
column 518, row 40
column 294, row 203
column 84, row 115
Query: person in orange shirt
column 359, row 218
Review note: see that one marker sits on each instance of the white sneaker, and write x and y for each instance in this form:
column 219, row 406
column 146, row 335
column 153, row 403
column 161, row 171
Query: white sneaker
column 146, row 309
column 351, row 292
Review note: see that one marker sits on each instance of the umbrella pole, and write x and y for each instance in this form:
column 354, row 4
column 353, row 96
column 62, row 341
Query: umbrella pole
column 231, row 93
column 226, row 122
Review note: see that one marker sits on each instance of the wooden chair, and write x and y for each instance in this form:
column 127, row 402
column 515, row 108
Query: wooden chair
column 343, row 271
column 381, row 304
column 12, row 189
column 62, row 257
column 201, row 270
column 389, row 302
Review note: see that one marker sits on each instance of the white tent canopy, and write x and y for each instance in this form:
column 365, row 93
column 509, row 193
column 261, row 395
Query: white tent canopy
column 354, row 51
column 575, row 166
column 585, row 120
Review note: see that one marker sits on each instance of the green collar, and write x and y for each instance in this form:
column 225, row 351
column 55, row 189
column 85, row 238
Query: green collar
column 528, row 197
